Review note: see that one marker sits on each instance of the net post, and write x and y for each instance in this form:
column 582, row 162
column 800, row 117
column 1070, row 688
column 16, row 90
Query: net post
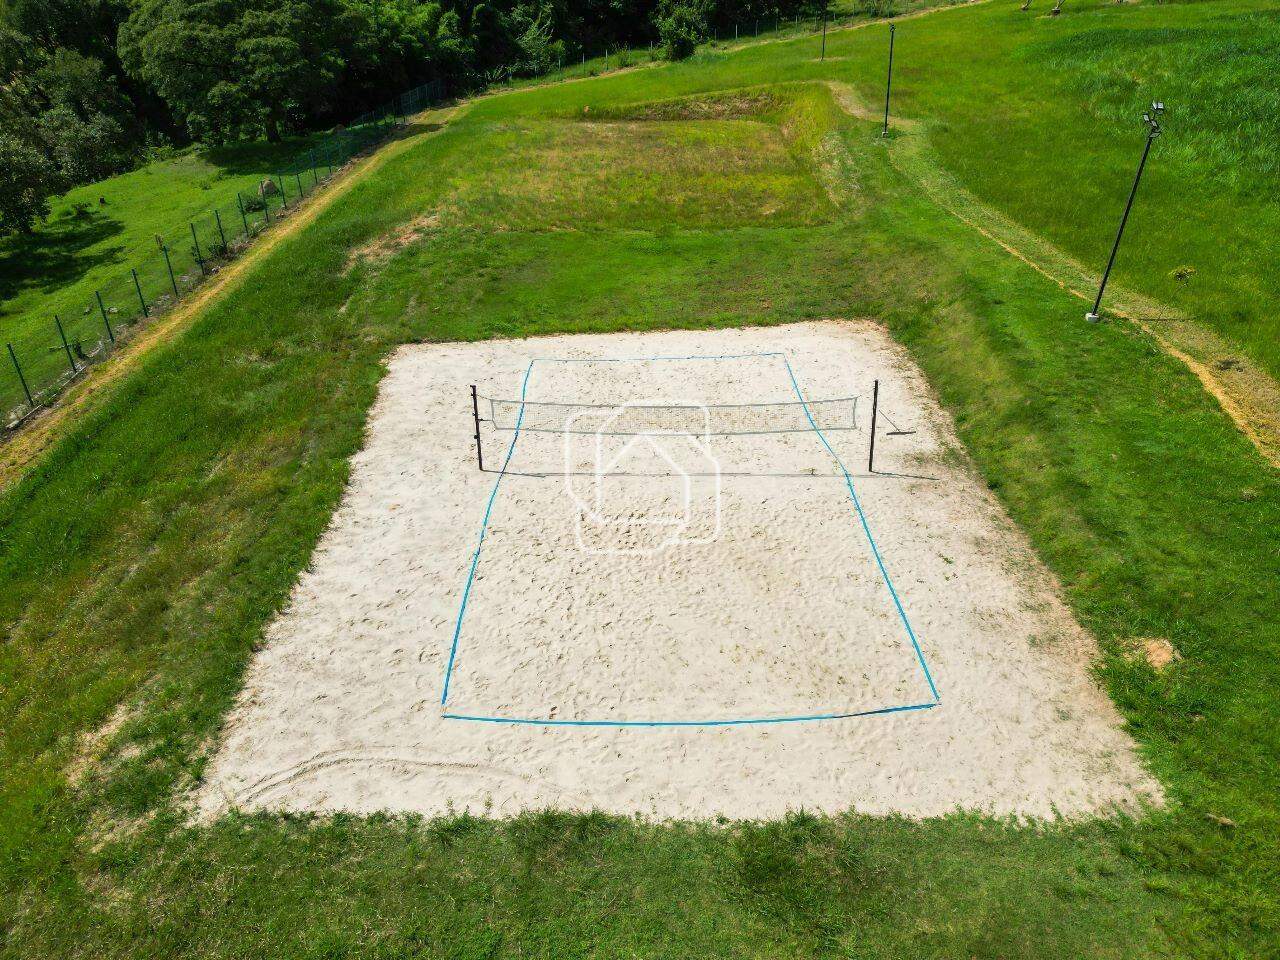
column 475, row 415
column 875, row 404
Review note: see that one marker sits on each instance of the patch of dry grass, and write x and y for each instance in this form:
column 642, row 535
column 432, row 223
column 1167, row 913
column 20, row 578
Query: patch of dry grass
column 635, row 174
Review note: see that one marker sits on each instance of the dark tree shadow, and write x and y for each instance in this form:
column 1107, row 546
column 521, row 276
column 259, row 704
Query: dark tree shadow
column 56, row 254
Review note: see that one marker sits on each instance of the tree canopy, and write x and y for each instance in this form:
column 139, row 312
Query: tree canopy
column 236, row 68
column 88, row 87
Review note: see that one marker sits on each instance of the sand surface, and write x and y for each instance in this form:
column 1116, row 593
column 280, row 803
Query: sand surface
column 663, row 601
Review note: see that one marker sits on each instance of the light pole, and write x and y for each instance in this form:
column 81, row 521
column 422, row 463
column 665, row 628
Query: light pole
column 1152, row 119
column 888, row 83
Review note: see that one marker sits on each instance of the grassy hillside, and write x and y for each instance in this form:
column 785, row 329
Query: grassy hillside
column 1041, row 117
column 86, row 246
column 140, row 561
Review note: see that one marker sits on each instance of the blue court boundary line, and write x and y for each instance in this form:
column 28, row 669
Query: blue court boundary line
column 484, row 524
column 484, row 528
column 866, row 528
column 475, row 559
column 750, row 721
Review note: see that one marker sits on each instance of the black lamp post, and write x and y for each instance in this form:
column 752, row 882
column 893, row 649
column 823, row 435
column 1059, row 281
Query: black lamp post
column 888, row 83
column 1152, row 119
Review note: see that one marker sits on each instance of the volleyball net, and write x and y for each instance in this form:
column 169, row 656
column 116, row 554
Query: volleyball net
column 697, row 420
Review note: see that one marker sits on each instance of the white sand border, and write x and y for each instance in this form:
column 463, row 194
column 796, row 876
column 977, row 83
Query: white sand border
column 773, row 607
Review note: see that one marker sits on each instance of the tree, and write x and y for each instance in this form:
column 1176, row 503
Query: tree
column 682, row 25
column 27, row 179
column 234, row 68
column 82, row 149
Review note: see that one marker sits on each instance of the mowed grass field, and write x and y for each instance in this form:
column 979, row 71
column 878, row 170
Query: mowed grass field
column 143, row 556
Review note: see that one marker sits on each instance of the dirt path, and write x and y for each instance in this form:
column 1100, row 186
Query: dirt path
column 1246, row 393
column 846, row 27
column 31, row 441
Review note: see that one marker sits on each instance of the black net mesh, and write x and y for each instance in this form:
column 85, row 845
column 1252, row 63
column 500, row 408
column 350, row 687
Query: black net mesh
column 628, row 419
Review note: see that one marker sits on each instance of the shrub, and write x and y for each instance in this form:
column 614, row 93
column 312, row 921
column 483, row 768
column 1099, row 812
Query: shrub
column 877, row 8
column 682, row 25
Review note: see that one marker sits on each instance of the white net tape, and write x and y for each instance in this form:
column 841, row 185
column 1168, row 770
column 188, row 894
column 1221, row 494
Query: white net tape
column 693, row 419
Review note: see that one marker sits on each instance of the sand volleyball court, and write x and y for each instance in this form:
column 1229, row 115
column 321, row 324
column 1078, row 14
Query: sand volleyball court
column 674, row 590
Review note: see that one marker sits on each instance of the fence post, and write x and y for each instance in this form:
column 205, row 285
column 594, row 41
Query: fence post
column 221, row 233
column 328, row 159
column 141, row 299
column 243, row 216
column 66, row 346
column 106, row 321
column 314, row 179
column 21, row 379
column 297, row 178
column 196, row 244
column 172, row 282
column 284, row 197
column 266, row 206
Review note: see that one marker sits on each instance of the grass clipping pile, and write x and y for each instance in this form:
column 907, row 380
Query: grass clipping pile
column 644, row 637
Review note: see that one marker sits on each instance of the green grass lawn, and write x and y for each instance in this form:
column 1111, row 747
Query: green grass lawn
column 141, row 559
column 85, row 246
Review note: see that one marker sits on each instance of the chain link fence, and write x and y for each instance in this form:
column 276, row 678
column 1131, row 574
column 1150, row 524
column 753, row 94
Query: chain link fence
column 42, row 364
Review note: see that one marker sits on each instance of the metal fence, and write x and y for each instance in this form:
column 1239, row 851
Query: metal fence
column 43, row 363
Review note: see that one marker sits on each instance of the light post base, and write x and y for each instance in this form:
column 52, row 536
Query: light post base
column 1092, row 317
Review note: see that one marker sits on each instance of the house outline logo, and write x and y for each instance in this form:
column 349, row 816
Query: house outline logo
column 680, row 450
